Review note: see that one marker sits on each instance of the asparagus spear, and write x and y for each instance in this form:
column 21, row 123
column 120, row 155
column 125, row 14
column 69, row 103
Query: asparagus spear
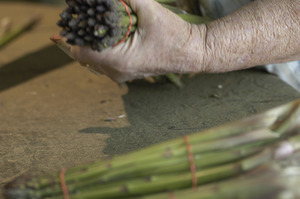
column 8, row 37
column 266, row 182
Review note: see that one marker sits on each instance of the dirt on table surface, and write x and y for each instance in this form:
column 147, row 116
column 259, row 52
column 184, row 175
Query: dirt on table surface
column 55, row 114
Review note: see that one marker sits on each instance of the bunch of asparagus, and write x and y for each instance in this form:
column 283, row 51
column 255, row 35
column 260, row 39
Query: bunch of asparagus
column 104, row 23
column 100, row 24
column 210, row 161
column 96, row 23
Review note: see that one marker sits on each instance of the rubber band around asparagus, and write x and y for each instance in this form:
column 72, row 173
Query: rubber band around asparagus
column 191, row 161
column 130, row 23
column 63, row 184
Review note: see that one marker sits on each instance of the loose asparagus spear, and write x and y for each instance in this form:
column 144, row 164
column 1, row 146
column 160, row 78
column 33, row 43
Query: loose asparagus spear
column 18, row 31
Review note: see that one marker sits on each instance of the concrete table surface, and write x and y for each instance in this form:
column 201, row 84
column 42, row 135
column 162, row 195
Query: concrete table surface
column 56, row 114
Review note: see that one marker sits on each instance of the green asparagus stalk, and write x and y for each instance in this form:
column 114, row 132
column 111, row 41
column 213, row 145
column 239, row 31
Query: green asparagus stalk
column 174, row 79
column 175, row 9
column 167, row 1
column 8, row 37
column 266, row 182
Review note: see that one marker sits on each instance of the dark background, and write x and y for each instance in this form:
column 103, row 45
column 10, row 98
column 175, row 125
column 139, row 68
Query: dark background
column 37, row 1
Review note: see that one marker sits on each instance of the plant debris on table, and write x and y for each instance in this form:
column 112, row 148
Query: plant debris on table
column 7, row 34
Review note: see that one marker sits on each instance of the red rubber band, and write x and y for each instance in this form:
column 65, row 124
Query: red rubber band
column 130, row 23
column 63, row 184
column 192, row 161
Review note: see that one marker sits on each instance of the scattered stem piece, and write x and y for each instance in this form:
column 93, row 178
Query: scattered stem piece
column 5, row 26
column 18, row 31
column 62, row 44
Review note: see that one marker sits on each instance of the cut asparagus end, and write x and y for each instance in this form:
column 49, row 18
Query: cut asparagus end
column 96, row 23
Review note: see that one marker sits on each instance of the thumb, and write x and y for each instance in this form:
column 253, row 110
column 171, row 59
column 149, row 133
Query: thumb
column 139, row 6
column 146, row 10
column 136, row 5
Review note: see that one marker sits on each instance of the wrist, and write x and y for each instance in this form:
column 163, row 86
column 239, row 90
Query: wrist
column 194, row 50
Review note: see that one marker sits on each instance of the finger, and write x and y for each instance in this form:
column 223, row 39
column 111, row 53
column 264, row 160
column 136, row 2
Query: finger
column 79, row 54
column 85, row 54
column 82, row 63
column 135, row 5
column 95, row 70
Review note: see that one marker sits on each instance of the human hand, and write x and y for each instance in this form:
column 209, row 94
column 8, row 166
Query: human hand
column 163, row 43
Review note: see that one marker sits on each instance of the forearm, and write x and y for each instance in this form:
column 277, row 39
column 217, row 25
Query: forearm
column 263, row 32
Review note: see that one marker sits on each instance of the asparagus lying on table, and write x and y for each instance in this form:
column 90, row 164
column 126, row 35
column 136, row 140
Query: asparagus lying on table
column 220, row 153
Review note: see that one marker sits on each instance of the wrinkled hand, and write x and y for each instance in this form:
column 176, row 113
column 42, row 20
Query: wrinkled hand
column 161, row 44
